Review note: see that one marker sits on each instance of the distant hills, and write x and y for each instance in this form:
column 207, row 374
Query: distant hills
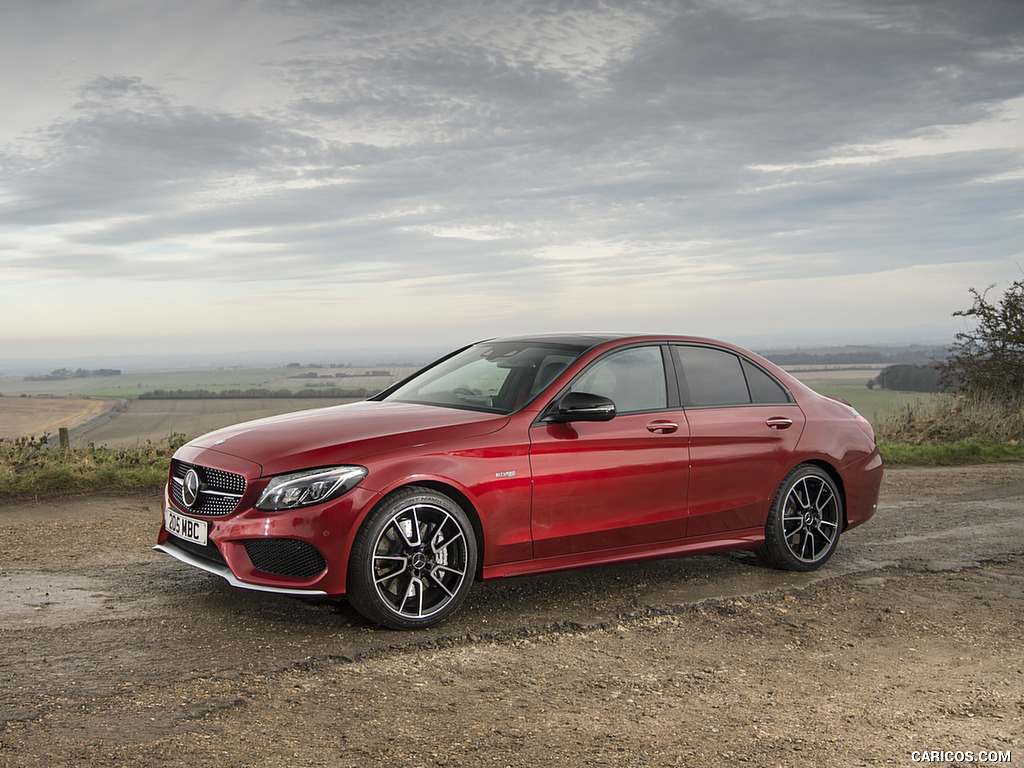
column 912, row 354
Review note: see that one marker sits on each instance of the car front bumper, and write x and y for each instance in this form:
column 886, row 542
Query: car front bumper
column 322, row 534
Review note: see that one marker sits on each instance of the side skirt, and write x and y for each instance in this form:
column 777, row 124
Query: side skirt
column 750, row 538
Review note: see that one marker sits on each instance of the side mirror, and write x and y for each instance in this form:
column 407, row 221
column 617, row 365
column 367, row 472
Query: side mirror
column 582, row 406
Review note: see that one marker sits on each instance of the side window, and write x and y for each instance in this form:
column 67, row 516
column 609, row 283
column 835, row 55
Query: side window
column 634, row 379
column 716, row 377
column 763, row 388
column 713, row 377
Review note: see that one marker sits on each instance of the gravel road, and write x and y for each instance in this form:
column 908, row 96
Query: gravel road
column 907, row 645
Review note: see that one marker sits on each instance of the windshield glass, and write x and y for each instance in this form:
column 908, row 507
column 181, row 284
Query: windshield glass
column 498, row 377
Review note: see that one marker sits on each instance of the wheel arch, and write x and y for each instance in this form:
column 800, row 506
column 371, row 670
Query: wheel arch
column 459, row 498
column 837, row 478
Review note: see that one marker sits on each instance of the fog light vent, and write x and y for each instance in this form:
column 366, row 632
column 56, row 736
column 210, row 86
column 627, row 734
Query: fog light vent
column 285, row 557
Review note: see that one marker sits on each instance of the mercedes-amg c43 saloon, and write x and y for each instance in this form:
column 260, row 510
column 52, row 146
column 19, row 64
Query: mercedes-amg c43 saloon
column 520, row 456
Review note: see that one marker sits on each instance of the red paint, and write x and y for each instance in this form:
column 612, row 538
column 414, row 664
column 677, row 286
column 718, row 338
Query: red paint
column 546, row 496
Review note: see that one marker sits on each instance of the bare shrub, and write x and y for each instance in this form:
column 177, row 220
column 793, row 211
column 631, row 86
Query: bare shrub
column 988, row 359
column 967, row 415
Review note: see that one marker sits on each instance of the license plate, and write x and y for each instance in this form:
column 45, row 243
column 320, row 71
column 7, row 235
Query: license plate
column 186, row 527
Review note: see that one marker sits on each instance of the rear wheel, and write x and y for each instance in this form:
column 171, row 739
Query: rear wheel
column 413, row 560
column 804, row 521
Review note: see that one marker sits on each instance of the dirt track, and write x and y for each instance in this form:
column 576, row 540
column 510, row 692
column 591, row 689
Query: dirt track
column 909, row 640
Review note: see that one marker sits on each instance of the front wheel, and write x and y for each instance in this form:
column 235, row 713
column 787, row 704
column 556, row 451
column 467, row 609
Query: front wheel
column 413, row 560
column 804, row 522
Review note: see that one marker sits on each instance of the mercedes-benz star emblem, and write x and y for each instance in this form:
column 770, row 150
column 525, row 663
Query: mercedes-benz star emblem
column 191, row 488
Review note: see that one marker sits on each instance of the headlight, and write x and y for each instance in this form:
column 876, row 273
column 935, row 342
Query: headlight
column 312, row 486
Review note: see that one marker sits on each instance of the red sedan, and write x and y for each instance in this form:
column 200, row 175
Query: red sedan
column 519, row 456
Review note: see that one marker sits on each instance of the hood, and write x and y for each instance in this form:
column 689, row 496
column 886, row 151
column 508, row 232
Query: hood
column 342, row 434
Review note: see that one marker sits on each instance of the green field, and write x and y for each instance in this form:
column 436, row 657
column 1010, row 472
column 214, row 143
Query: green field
column 876, row 405
column 131, row 385
column 134, row 421
column 155, row 420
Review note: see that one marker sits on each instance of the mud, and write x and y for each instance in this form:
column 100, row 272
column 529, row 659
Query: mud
column 907, row 642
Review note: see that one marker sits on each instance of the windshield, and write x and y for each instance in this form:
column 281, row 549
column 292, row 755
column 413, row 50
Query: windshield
column 498, row 377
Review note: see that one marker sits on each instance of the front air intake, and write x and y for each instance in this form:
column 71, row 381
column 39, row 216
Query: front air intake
column 285, row 557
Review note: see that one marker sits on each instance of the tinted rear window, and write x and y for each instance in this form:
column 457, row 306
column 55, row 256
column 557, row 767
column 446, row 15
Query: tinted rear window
column 717, row 377
column 763, row 388
column 712, row 377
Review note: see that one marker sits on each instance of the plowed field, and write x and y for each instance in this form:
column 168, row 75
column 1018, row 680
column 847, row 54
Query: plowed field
column 36, row 416
column 155, row 420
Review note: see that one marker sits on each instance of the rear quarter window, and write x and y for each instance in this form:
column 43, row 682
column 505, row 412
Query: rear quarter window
column 763, row 387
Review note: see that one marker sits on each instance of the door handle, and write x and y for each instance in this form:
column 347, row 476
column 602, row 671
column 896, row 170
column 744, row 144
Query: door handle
column 779, row 422
column 662, row 427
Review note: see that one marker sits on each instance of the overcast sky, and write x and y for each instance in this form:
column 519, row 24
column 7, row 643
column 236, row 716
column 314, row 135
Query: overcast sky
column 221, row 175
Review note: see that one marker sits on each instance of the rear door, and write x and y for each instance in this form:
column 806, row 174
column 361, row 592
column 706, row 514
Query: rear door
column 744, row 426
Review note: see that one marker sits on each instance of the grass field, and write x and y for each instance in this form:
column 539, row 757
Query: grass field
column 131, row 385
column 154, row 420
column 34, row 408
column 875, row 405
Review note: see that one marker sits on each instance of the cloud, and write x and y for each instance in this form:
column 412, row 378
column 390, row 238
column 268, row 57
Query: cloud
column 510, row 153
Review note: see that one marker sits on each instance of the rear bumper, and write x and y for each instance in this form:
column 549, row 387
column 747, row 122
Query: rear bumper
column 862, row 481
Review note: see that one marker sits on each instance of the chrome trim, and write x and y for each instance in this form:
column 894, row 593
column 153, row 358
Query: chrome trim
column 208, row 492
column 225, row 573
column 190, row 488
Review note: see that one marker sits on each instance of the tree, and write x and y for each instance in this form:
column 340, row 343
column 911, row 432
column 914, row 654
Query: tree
column 910, row 378
column 988, row 360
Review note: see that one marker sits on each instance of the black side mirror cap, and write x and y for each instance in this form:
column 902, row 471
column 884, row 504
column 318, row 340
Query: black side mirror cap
column 583, row 406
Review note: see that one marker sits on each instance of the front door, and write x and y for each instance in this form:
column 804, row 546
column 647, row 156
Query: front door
column 602, row 485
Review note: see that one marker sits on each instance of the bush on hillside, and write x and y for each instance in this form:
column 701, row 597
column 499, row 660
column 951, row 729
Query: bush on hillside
column 967, row 415
column 988, row 360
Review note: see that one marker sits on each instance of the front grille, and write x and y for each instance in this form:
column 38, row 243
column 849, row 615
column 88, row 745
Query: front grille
column 285, row 557
column 219, row 491
column 207, row 552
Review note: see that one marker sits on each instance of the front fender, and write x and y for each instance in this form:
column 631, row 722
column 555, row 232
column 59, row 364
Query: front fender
column 495, row 483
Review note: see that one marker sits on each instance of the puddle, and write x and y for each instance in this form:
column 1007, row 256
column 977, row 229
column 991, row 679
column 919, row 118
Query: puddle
column 34, row 598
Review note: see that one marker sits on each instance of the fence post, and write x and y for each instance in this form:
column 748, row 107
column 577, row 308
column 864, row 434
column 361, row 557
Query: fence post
column 65, row 441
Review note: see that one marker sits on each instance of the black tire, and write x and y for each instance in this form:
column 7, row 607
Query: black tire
column 804, row 522
column 413, row 560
